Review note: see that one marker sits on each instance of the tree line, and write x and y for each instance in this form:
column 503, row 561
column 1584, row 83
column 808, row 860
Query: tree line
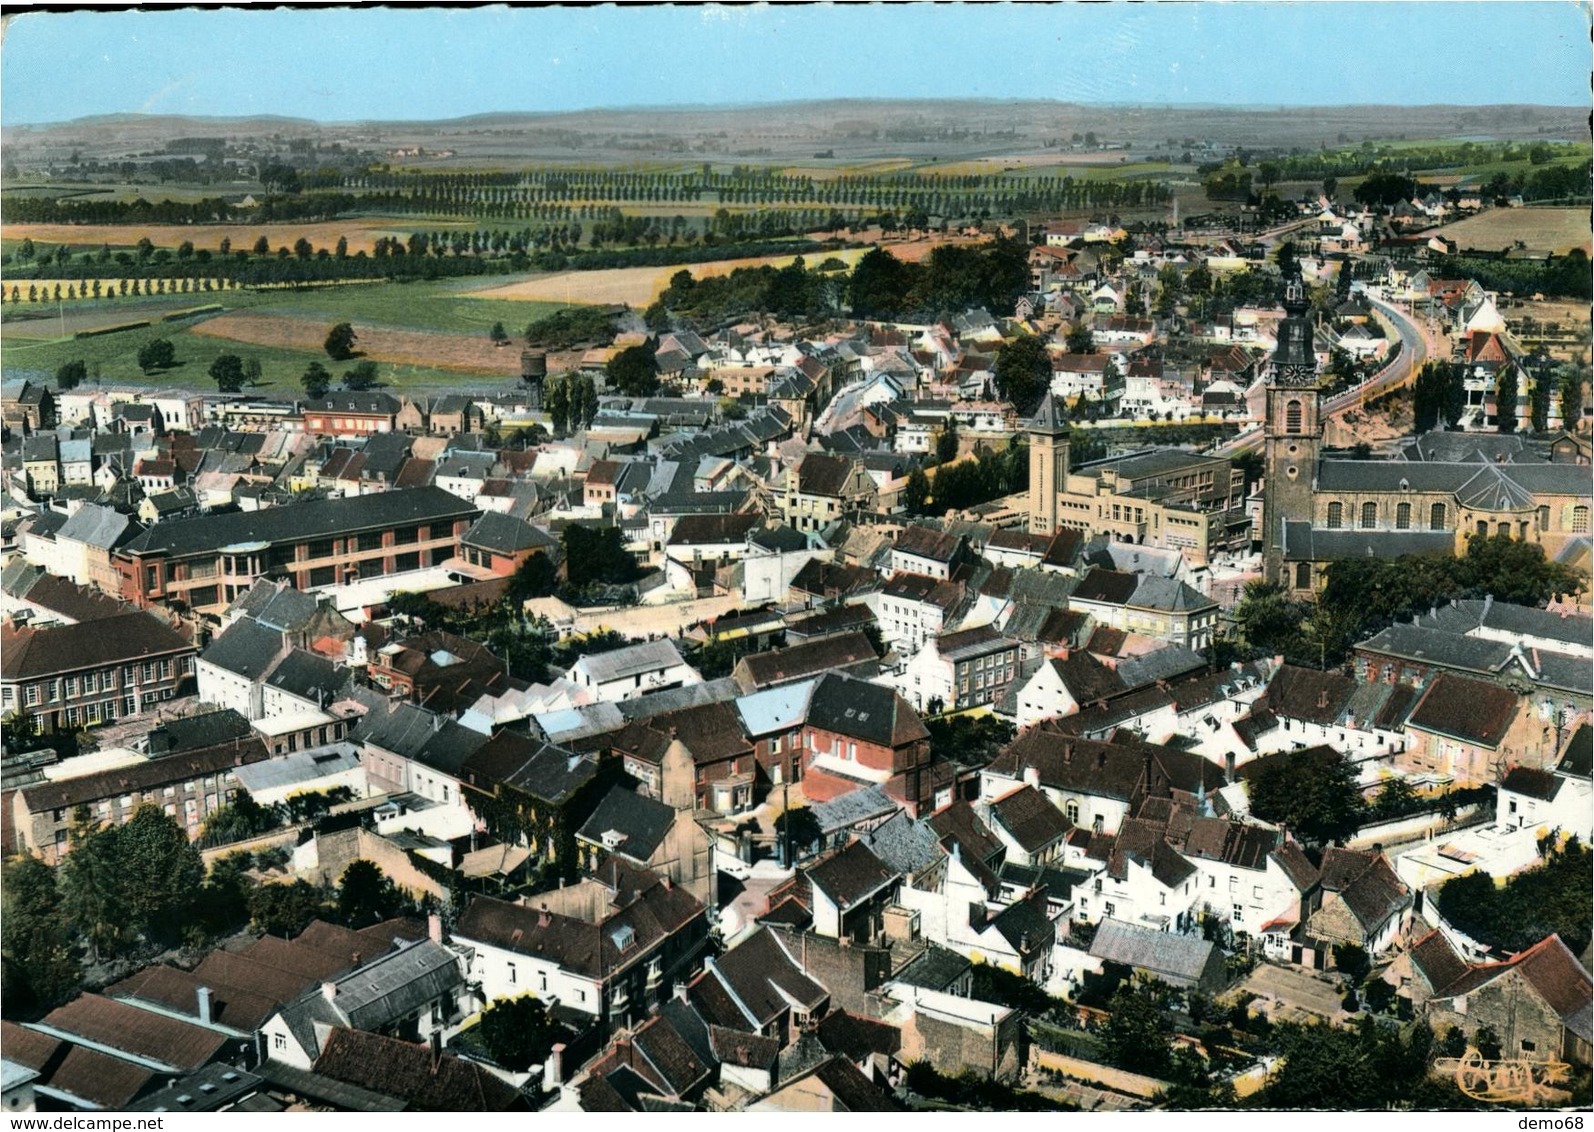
column 132, row 890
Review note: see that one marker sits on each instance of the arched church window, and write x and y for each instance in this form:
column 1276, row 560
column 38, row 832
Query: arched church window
column 1403, row 517
column 1369, row 515
column 1292, row 417
column 1436, row 517
column 1336, row 516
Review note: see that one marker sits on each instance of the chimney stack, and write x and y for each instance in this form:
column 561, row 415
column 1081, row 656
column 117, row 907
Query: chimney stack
column 553, row 1068
column 543, row 919
column 329, row 991
column 203, row 994
column 434, row 928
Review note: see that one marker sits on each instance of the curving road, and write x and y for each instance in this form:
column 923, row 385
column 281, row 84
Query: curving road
column 1413, row 352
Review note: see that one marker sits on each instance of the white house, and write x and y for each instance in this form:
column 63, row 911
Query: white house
column 636, row 670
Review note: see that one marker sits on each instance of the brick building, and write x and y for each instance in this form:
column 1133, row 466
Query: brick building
column 93, row 672
column 189, row 787
column 205, row 562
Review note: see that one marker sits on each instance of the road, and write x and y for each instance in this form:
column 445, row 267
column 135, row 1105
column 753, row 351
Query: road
column 1414, row 349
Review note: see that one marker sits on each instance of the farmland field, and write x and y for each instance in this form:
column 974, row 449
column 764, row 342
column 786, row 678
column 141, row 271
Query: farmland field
column 635, row 286
column 283, row 355
column 1543, row 230
column 421, row 334
column 430, row 350
column 361, row 232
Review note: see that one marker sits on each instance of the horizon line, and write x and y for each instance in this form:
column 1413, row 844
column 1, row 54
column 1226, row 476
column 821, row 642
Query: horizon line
column 700, row 107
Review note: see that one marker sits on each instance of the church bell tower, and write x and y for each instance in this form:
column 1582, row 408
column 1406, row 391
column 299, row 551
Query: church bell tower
column 1048, row 464
column 1292, row 433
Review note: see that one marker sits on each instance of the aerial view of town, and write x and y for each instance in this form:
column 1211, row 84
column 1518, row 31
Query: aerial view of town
column 856, row 558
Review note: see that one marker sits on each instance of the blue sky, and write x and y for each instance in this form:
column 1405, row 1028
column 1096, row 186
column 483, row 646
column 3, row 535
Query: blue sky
column 343, row 65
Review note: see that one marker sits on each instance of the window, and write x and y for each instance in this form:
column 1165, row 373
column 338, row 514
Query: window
column 1528, row 1047
column 1544, row 518
column 1336, row 516
column 1071, row 809
column 1436, row 517
column 1292, row 417
column 1303, row 575
column 1369, row 515
column 1580, row 519
column 1403, row 517
column 279, row 1041
column 1111, row 908
column 1239, row 912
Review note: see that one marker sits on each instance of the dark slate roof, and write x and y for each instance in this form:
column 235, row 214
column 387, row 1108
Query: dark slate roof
column 506, row 534
column 959, row 824
column 1111, row 587
column 851, row 875
column 32, row 652
column 819, row 474
column 857, row 1037
column 308, row 675
column 410, row 1071
column 641, row 823
column 1579, row 752
column 864, row 710
column 1305, row 543
column 321, row 518
column 1030, row 819
column 936, row 968
column 1475, row 711
column 187, row 733
column 798, row 662
column 541, row 770
column 366, row 402
column 763, row 980
column 1366, row 883
column 247, row 648
column 422, row 736
column 1532, row 782
column 640, row 901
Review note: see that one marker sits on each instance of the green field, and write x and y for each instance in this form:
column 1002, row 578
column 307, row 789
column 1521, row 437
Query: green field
column 419, row 305
column 116, row 356
column 36, row 343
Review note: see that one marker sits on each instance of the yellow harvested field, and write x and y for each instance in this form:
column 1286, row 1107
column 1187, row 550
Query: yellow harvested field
column 361, row 234
column 1543, row 230
column 636, row 286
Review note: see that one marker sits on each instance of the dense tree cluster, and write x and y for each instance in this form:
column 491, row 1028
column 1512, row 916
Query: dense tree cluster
column 951, row 278
column 1365, row 1067
column 597, row 556
column 1363, row 595
column 1561, row 276
column 990, row 475
column 1312, row 792
column 1551, row 897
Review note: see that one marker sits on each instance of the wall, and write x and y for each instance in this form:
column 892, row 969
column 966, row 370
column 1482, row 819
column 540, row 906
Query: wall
column 336, row 851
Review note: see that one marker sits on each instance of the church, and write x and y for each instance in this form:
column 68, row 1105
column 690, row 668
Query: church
column 1443, row 490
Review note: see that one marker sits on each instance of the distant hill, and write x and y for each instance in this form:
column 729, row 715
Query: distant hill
column 855, row 129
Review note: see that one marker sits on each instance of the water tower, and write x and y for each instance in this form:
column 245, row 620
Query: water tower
column 534, row 371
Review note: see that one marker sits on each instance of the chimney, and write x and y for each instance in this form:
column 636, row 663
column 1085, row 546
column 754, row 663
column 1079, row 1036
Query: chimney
column 354, row 958
column 329, row 991
column 543, row 919
column 434, row 928
column 553, row 1068
column 1322, row 698
column 203, row 994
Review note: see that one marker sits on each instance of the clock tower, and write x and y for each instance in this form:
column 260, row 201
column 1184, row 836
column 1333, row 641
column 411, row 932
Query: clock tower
column 1292, row 433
